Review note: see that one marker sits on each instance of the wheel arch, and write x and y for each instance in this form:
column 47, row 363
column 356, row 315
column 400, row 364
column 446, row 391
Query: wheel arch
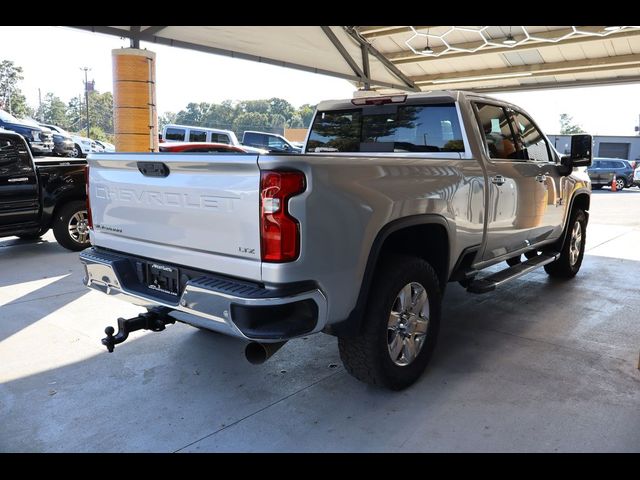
column 426, row 236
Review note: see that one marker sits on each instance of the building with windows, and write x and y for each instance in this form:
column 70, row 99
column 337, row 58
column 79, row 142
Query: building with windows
column 608, row 146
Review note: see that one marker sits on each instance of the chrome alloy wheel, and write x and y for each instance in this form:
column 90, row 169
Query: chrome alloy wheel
column 576, row 243
column 79, row 227
column 408, row 324
column 619, row 184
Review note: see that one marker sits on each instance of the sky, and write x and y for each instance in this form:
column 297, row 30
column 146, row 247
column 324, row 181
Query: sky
column 185, row 76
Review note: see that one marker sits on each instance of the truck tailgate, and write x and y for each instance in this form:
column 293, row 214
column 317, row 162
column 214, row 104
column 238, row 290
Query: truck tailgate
column 204, row 214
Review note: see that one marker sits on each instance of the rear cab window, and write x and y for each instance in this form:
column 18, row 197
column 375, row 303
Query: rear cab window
column 433, row 127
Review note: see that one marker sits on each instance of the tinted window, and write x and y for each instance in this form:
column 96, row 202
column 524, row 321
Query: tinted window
column 255, row 139
column 535, row 146
column 388, row 128
column 219, row 138
column 14, row 158
column 174, row 134
column 275, row 142
column 495, row 125
column 197, row 136
column 620, row 165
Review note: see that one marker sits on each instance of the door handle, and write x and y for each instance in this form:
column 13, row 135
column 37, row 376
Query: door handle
column 16, row 180
column 541, row 178
column 498, row 180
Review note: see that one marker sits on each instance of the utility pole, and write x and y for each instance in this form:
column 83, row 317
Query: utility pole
column 40, row 104
column 86, row 95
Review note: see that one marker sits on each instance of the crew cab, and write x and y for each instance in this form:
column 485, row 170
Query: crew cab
column 394, row 197
column 36, row 195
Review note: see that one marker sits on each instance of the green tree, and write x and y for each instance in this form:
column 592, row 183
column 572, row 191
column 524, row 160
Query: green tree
column 165, row 119
column 567, row 127
column 306, row 113
column 53, row 111
column 251, row 121
column 279, row 106
column 10, row 75
column 100, row 113
column 11, row 98
column 296, row 121
column 19, row 107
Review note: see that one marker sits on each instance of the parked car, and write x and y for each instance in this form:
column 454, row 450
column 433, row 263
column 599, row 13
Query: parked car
column 106, row 146
column 269, row 141
column 39, row 140
column 187, row 133
column 602, row 171
column 360, row 243
column 203, row 147
column 36, row 195
column 62, row 141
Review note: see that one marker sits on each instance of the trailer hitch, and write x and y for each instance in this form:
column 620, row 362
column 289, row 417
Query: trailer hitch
column 154, row 319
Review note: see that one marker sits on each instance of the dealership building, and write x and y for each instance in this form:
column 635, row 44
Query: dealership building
column 611, row 146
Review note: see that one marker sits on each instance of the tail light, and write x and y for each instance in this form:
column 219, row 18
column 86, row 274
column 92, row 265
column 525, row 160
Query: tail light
column 279, row 231
column 86, row 182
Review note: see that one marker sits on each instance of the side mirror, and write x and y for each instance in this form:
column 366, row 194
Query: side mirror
column 581, row 152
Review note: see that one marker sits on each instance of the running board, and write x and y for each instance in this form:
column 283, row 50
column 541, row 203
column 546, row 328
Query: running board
column 488, row 284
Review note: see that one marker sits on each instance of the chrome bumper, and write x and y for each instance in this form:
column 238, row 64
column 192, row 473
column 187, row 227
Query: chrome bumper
column 205, row 302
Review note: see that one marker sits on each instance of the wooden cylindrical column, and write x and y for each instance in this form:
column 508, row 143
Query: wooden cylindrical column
column 135, row 118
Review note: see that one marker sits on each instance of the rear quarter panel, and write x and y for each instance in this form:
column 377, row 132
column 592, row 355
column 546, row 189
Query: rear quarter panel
column 349, row 199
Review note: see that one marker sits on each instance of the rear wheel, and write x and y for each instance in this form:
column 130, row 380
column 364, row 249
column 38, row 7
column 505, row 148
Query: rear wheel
column 620, row 183
column 401, row 325
column 572, row 252
column 71, row 227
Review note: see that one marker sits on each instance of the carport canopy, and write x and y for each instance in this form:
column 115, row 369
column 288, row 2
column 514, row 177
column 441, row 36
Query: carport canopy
column 421, row 58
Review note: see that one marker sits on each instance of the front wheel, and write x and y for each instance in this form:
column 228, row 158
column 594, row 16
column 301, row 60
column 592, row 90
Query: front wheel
column 77, row 152
column 401, row 325
column 71, row 227
column 620, row 183
column 572, row 253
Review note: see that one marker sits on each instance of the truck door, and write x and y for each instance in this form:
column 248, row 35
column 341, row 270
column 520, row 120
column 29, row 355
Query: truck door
column 516, row 199
column 18, row 183
column 555, row 187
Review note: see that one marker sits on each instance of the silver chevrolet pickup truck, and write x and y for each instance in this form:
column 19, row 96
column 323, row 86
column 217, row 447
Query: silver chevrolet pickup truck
column 357, row 237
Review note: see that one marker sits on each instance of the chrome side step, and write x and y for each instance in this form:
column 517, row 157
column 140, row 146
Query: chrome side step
column 488, row 284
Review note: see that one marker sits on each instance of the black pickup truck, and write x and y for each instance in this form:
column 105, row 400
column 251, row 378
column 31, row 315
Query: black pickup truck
column 42, row 194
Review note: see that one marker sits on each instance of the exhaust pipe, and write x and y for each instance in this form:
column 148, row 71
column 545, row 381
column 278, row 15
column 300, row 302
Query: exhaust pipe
column 257, row 353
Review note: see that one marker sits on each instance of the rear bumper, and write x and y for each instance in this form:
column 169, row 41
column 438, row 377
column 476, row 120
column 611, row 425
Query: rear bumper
column 229, row 306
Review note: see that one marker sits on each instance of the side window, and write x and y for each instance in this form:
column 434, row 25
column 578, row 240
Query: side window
column 531, row 139
column 220, row 138
column 175, row 134
column 275, row 142
column 14, row 158
column 494, row 122
column 197, row 136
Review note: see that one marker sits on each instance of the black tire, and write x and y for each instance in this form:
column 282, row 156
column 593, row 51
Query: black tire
column 564, row 267
column 77, row 152
column 367, row 356
column 62, row 222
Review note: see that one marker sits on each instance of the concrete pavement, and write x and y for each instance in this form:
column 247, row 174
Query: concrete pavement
column 538, row 365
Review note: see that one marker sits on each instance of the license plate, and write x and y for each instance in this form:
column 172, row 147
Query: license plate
column 163, row 278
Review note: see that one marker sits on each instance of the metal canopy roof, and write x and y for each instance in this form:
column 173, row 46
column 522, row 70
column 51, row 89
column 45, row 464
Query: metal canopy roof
column 479, row 58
